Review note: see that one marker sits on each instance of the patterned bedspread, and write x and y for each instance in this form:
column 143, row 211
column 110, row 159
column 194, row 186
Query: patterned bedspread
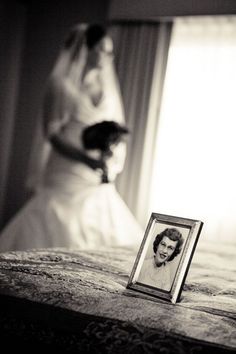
column 78, row 301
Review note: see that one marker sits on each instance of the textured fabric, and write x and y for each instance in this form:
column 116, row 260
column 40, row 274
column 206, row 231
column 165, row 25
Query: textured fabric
column 63, row 330
column 81, row 297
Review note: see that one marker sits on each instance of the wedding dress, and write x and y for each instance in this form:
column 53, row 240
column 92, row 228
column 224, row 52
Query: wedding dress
column 71, row 207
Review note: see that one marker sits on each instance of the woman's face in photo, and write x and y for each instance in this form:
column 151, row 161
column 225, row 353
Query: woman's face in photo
column 165, row 250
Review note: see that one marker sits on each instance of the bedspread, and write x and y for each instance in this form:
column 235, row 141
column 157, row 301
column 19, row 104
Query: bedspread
column 78, row 301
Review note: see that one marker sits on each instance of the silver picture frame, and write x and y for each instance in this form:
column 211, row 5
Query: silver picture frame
column 165, row 255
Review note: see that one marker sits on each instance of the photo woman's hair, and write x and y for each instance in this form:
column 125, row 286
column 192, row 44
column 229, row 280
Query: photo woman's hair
column 174, row 235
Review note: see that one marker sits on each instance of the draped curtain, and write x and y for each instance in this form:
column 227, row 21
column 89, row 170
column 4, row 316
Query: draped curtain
column 141, row 51
column 12, row 20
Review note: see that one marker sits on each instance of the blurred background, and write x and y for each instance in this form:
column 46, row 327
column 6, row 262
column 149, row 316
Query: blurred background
column 176, row 66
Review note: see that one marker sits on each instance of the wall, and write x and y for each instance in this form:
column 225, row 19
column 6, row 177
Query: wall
column 153, row 9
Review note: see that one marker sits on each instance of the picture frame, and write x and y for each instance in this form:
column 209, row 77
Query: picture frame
column 164, row 256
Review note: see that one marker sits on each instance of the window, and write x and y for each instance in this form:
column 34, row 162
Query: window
column 194, row 166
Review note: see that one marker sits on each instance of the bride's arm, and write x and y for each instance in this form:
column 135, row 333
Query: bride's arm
column 69, row 151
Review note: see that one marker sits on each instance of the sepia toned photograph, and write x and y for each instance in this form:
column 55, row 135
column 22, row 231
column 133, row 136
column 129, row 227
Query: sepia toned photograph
column 165, row 255
column 117, row 176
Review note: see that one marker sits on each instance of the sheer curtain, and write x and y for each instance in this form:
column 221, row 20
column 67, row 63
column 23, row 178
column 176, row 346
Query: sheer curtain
column 141, row 53
column 194, row 167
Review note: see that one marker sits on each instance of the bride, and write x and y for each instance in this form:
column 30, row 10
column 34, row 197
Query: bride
column 76, row 204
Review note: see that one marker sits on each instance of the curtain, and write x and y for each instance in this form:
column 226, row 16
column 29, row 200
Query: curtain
column 141, row 55
column 195, row 172
column 12, row 20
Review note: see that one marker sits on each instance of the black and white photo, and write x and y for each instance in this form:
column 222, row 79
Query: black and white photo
column 164, row 256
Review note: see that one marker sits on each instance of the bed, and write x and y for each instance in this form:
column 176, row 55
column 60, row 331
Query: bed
column 77, row 301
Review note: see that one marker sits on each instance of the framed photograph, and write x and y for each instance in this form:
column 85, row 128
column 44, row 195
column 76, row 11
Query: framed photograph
column 164, row 257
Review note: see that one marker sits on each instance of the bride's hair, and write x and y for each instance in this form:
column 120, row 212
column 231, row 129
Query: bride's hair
column 93, row 34
column 103, row 135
